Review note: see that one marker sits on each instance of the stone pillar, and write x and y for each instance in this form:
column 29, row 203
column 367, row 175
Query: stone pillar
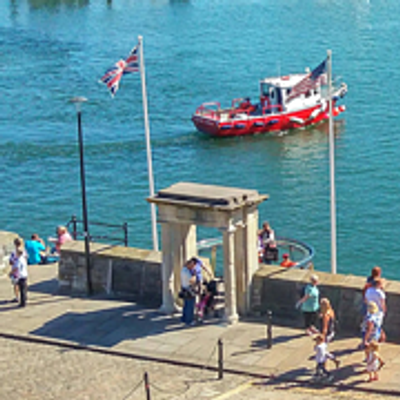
column 168, row 302
column 240, row 269
column 231, row 315
column 251, row 250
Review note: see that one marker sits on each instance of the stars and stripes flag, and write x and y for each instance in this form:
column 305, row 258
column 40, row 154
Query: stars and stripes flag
column 315, row 77
column 113, row 76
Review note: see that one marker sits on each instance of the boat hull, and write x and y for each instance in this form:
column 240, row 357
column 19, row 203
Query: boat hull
column 211, row 124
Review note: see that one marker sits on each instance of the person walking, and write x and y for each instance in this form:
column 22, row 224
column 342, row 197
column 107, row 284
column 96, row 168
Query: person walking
column 321, row 357
column 20, row 271
column 327, row 320
column 18, row 243
column 374, row 361
column 309, row 305
column 372, row 325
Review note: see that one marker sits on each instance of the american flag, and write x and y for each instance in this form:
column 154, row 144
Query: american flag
column 113, row 76
column 318, row 75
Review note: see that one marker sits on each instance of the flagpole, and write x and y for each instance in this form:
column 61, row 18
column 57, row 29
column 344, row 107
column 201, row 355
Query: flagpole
column 148, row 146
column 332, row 168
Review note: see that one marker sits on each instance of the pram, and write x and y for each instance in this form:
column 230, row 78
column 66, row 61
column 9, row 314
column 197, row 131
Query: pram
column 207, row 299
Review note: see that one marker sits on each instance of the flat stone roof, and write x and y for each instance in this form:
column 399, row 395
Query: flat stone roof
column 207, row 196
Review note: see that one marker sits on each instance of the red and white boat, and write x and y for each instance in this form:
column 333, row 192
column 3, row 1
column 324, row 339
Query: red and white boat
column 286, row 102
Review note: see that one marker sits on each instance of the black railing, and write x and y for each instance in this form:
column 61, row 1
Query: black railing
column 74, row 224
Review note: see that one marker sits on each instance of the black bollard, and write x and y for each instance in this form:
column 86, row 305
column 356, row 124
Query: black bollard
column 220, row 359
column 147, row 386
column 269, row 329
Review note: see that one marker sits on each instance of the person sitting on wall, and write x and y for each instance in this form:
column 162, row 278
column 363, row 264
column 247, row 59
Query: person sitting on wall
column 62, row 237
column 287, row 262
column 36, row 250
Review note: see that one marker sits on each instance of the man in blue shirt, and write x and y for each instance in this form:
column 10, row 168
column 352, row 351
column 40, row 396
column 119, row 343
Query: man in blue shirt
column 36, row 250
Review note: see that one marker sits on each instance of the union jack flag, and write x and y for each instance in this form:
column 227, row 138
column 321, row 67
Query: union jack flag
column 113, row 76
column 315, row 77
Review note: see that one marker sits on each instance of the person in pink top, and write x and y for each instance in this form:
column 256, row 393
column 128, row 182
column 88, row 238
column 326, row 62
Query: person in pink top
column 62, row 237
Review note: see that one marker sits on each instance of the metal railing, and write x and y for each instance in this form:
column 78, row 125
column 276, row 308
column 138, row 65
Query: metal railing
column 74, row 223
column 300, row 252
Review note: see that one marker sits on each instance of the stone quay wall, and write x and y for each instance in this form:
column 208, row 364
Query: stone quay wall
column 123, row 272
column 135, row 274
column 277, row 289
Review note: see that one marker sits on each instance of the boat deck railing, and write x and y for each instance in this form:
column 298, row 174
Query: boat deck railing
column 298, row 251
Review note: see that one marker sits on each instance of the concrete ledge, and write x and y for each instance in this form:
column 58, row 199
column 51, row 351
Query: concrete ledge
column 277, row 289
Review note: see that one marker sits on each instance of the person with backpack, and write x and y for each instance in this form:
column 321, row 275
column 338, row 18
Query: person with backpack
column 309, row 305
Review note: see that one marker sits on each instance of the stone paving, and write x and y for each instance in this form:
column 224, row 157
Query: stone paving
column 117, row 326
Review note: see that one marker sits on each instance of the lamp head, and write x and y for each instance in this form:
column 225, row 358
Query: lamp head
column 78, row 101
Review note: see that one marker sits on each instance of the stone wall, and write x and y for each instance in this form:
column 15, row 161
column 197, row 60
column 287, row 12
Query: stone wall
column 124, row 272
column 278, row 290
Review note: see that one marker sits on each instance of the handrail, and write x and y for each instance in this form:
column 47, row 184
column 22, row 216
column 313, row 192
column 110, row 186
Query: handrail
column 75, row 233
column 282, row 242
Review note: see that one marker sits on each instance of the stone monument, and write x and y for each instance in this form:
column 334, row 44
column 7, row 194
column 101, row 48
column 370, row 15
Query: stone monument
column 234, row 211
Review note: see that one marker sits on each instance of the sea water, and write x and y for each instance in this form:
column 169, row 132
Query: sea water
column 197, row 51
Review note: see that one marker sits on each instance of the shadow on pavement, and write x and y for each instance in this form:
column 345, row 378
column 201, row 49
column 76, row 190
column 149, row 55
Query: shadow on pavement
column 111, row 326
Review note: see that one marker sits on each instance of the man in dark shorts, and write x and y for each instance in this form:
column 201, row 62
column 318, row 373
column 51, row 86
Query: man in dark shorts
column 309, row 305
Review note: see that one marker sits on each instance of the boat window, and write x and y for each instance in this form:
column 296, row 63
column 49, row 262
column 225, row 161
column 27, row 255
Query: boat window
column 272, row 93
column 288, row 91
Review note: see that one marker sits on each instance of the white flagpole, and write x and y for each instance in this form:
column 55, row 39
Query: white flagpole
column 148, row 145
column 332, row 168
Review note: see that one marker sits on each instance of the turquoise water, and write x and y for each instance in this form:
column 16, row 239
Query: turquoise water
column 200, row 51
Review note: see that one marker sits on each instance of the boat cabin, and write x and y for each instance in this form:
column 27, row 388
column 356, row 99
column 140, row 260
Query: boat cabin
column 274, row 93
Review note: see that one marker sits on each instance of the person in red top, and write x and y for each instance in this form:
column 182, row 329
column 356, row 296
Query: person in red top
column 287, row 262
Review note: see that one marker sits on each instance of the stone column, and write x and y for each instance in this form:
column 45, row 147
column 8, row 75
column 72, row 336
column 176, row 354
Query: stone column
column 231, row 315
column 251, row 250
column 240, row 269
column 168, row 303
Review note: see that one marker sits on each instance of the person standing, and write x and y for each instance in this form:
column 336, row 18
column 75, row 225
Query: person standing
column 376, row 294
column 18, row 243
column 188, row 292
column 309, row 305
column 20, row 270
column 327, row 318
column 36, row 250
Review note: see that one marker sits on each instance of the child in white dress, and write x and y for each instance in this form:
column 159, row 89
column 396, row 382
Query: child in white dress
column 374, row 361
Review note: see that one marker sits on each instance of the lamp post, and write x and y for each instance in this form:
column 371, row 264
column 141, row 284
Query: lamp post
column 78, row 104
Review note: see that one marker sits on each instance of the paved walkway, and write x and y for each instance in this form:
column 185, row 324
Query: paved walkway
column 125, row 328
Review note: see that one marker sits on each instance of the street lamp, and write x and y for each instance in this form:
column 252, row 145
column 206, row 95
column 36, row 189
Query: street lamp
column 78, row 103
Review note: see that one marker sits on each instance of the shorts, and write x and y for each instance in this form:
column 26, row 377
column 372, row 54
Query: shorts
column 310, row 318
column 14, row 280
